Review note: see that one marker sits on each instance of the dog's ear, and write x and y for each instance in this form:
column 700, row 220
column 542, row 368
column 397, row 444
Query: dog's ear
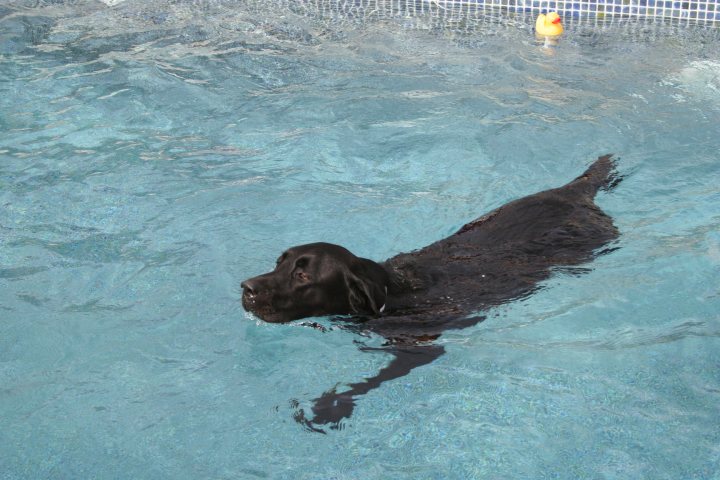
column 367, row 287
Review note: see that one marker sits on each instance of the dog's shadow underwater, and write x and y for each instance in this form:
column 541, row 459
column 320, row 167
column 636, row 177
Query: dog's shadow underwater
column 410, row 299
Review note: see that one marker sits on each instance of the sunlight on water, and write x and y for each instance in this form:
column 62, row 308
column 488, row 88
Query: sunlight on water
column 154, row 154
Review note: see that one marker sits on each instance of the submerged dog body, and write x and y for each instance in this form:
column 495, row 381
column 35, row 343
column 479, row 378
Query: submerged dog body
column 411, row 298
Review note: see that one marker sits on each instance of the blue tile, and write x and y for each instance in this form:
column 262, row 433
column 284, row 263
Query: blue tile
column 694, row 9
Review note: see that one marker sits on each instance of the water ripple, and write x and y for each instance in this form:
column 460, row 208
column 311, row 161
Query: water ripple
column 624, row 339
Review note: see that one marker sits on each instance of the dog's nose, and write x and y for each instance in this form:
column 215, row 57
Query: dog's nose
column 249, row 288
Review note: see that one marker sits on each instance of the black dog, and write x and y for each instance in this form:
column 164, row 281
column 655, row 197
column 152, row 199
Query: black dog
column 412, row 298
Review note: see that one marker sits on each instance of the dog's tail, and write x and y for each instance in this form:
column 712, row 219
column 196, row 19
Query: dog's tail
column 600, row 175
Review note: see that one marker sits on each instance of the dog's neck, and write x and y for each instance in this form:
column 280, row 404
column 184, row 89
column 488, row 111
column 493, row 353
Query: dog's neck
column 382, row 309
column 406, row 275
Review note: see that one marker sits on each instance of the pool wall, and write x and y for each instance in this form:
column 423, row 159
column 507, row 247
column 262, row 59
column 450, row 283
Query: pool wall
column 698, row 11
column 595, row 12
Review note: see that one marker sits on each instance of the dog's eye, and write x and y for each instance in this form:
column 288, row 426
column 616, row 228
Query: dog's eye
column 281, row 258
column 301, row 262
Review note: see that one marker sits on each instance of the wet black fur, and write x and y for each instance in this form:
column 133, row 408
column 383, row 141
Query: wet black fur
column 410, row 299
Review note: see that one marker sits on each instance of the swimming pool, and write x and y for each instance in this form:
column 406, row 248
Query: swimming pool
column 155, row 154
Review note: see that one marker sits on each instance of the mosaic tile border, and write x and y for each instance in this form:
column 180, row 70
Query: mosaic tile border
column 698, row 11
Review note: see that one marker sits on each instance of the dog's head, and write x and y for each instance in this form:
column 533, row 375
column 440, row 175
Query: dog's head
column 315, row 280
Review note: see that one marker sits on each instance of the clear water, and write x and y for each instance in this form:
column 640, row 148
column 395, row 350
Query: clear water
column 152, row 155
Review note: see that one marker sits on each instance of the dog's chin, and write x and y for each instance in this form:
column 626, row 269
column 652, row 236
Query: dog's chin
column 265, row 313
column 268, row 316
column 275, row 319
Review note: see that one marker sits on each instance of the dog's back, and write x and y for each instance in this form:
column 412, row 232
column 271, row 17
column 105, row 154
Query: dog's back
column 501, row 255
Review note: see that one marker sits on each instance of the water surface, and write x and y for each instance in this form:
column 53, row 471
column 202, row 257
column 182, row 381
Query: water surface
column 154, row 154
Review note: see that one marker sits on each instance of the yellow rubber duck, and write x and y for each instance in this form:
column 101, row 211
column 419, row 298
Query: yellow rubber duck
column 549, row 25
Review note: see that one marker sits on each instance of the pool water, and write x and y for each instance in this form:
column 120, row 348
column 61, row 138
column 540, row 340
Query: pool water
column 155, row 154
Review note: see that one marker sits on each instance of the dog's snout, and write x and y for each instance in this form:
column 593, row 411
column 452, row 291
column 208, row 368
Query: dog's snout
column 249, row 287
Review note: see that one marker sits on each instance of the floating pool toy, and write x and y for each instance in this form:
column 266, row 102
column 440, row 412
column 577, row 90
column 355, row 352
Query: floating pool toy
column 549, row 25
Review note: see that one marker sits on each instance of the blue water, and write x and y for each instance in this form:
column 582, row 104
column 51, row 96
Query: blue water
column 153, row 155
